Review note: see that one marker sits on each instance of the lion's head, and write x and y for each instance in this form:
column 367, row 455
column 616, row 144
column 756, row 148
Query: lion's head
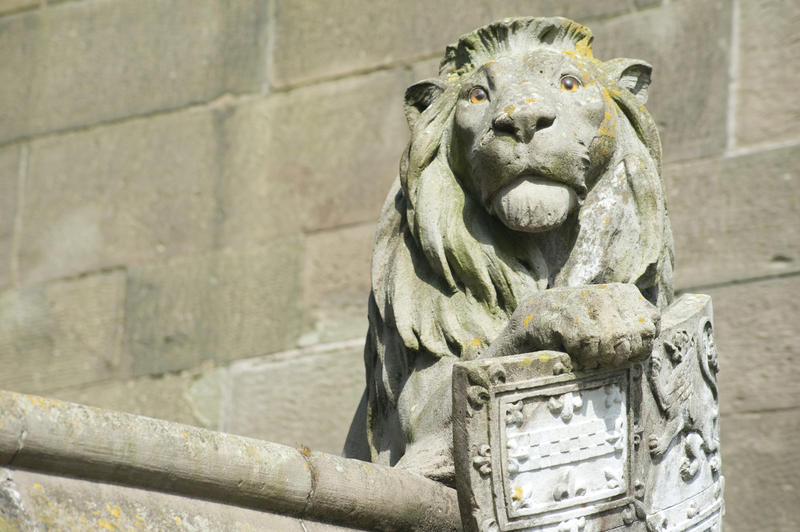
column 531, row 165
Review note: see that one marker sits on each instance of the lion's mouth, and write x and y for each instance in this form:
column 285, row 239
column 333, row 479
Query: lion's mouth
column 533, row 203
column 542, row 176
column 527, row 175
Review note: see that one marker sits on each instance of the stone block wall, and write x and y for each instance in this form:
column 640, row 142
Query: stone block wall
column 188, row 191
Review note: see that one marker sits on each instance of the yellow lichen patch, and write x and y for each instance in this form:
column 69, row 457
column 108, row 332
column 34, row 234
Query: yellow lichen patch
column 544, row 358
column 527, row 361
column 184, row 433
column 576, row 319
column 530, row 100
column 586, row 76
column 607, row 97
column 305, row 450
column 178, row 520
column 367, row 468
column 105, row 524
column 608, row 127
column 527, row 320
column 476, row 342
column 641, row 320
column 508, row 109
column 37, row 486
column 517, row 494
column 602, row 286
column 41, row 402
column 582, row 51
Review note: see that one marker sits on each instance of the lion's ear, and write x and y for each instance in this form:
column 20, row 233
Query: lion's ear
column 420, row 96
column 630, row 74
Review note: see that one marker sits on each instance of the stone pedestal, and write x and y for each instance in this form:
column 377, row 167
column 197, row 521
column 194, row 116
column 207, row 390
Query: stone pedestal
column 542, row 446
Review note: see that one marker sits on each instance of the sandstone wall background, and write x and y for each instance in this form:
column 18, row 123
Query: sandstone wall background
column 188, row 191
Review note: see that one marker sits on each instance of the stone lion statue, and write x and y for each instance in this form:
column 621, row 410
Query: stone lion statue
column 529, row 214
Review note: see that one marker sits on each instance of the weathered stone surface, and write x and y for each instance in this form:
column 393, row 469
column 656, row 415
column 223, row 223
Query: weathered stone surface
column 757, row 338
column 646, row 3
column 688, row 44
column 64, row 503
column 767, row 45
column 336, row 284
column 79, row 441
column 189, row 181
column 88, row 62
column 219, row 306
column 761, row 460
column 735, row 218
column 191, row 397
column 118, row 195
column 9, row 179
column 62, row 333
column 317, row 39
column 206, row 393
column 314, row 158
column 8, row 6
column 17, row 73
column 71, row 440
column 318, row 390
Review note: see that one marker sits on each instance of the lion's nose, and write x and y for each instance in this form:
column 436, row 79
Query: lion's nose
column 525, row 122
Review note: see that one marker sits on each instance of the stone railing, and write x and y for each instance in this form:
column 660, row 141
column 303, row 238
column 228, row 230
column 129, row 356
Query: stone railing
column 77, row 467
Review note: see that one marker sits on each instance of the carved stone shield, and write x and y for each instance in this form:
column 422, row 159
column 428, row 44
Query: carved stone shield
column 541, row 447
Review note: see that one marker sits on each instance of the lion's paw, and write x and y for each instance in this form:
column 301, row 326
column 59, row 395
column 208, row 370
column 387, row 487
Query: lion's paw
column 597, row 325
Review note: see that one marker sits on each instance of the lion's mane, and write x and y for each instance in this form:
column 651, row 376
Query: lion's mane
column 446, row 274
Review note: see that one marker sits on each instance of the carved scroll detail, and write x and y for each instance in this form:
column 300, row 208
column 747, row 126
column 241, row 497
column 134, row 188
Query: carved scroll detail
column 483, row 460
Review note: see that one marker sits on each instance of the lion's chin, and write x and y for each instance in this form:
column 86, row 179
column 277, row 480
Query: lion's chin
column 533, row 204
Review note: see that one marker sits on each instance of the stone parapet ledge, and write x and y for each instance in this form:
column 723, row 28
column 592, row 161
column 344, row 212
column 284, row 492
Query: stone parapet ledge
column 74, row 440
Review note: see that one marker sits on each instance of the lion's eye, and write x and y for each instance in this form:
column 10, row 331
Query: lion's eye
column 478, row 95
column 570, row 83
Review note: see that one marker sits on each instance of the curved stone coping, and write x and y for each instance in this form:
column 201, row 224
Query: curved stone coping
column 75, row 440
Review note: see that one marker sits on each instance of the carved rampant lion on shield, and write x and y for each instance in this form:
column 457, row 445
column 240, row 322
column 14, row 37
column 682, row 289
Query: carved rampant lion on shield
column 529, row 214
